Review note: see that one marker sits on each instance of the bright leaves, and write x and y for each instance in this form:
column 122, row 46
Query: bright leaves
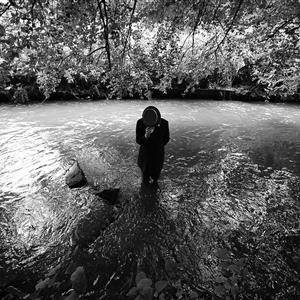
column 134, row 47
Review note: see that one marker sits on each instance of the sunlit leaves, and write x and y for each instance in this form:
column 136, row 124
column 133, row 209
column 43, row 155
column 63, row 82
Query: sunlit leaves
column 160, row 43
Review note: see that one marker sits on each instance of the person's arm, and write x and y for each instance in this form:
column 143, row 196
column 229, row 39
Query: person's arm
column 166, row 134
column 140, row 134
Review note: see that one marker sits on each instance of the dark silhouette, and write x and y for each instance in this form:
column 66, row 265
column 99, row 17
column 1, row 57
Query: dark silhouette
column 149, row 197
column 152, row 134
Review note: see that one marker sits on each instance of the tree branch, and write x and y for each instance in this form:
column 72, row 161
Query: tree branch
column 5, row 10
column 95, row 50
column 129, row 29
column 231, row 24
column 32, row 14
column 199, row 16
column 13, row 3
column 63, row 59
column 103, row 15
column 276, row 30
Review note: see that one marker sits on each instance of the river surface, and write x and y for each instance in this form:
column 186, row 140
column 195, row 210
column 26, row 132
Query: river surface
column 208, row 138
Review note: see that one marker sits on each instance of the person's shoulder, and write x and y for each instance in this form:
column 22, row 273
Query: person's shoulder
column 139, row 121
column 164, row 121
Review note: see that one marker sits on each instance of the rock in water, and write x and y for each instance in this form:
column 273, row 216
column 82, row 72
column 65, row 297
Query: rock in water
column 92, row 224
column 75, row 177
column 78, row 279
column 110, row 195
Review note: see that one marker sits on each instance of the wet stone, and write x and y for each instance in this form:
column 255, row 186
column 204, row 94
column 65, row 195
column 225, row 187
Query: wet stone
column 75, row 177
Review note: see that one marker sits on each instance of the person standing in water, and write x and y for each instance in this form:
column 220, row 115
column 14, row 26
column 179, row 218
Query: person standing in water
column 152, row 134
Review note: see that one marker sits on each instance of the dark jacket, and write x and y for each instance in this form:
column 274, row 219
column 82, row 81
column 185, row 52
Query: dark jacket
column 151, row 153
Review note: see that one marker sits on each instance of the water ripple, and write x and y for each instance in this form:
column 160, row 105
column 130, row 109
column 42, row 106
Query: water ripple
column 216, row 160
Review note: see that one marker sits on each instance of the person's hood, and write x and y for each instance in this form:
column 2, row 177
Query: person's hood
column 157, row 112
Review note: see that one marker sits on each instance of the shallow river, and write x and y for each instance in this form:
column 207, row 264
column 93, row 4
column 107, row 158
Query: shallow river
column 208, row 138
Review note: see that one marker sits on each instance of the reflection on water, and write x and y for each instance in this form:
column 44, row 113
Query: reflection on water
column 220, row 152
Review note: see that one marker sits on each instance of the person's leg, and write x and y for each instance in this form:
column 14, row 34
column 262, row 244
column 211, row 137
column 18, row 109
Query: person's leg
column 146, row 178
column 154, row 180
column 155, row 176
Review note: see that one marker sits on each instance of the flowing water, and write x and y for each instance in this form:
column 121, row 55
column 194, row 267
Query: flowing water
column 220, row 159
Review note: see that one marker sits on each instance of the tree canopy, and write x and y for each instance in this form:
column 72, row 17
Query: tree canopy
column 133, row 47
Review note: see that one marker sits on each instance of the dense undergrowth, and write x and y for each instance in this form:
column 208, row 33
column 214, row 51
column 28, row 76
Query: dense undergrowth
column 141, row 49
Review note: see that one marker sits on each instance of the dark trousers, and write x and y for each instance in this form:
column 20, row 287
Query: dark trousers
column 147, row 177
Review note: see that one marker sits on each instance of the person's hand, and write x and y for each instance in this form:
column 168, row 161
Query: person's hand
column 148, row 132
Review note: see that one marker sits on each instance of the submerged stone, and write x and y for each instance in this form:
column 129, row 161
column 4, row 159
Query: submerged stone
column 75, row 177
column 78, row 279
column 93, row 223
column 110, row 195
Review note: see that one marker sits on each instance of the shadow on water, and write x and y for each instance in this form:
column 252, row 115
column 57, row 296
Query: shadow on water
column 141, row 238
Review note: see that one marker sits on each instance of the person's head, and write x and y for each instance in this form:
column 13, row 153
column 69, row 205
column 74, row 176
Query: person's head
column 151, row 116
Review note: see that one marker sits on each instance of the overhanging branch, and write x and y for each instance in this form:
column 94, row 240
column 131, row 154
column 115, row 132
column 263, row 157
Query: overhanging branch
column 281, row 26
column 231, row 24
column 199, row 16
column 104, row 19
column 129, row 29
column 95, row 50
column 5, row 9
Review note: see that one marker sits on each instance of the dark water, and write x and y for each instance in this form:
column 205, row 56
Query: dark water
column 208, row 141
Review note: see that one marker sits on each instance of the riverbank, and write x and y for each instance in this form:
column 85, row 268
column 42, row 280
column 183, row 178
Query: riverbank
column 27, row 91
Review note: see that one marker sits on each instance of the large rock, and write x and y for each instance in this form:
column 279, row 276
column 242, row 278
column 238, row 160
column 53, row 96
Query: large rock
column 101, row 215
column 79, row 281
column 75, row 177
column 109, row 195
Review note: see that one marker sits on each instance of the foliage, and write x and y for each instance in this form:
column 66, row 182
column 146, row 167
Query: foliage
column 135, row 47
